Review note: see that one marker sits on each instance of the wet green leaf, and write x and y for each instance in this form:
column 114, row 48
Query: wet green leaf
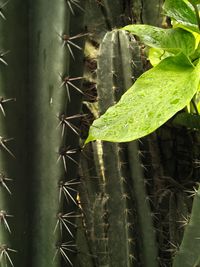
column 155, row 55
column 194, row 2
column 183, row 13
column 154, row 98
column 172, row 40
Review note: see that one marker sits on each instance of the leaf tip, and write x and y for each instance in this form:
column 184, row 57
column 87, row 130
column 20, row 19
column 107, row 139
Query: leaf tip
column 89, row 139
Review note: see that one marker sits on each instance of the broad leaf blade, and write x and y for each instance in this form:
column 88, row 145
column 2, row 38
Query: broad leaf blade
column 194, row 2
column 172, row 40
column 182, row 12
column 154, row 98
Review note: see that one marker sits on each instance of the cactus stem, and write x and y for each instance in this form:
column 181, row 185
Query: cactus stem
column 66, row 187
column 75, row 3
column 3, row 182
column 2, row 54
column 1, row 10
column 3, row 142
column 63, row 248
column 3, row 101
column 67, row 82
column 3, row 219
column 4, row 254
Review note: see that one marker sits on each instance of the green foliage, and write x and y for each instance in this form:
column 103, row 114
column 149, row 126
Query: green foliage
column 194, row 2
column 182, row 13
column 154, row 98
column 171, row 40
column 162, row 91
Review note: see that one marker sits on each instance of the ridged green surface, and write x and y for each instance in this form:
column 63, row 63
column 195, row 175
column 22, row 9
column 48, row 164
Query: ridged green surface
column 188, row 253
column 151, row 12
column 41, row 167
column 13, row 84
column 113, row 226
column 110, row 86
column 148, row 249
column 148, row 245
column 47, row 99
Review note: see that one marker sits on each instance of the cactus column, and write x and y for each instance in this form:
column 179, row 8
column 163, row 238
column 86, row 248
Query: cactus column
column 14, row 181
column 36, row 185
column 52, row 51
column 114, row 75
column 49, row 63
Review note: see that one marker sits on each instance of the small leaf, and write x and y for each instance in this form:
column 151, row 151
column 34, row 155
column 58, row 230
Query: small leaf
column 154, row 98
column 183, row 13
column 172, row 40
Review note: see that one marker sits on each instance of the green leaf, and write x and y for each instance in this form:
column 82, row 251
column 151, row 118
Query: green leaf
column 183, row 13
column 172, row 40
column 155, row 55
column 154, row 98
column 194, row 2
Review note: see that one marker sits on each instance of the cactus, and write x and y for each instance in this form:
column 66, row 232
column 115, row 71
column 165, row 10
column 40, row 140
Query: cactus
column 110, row 74
column 107, row 77
column 148, row 245
column 39, row 166
column 13, row 157
column 52, row 211
column 188, row 253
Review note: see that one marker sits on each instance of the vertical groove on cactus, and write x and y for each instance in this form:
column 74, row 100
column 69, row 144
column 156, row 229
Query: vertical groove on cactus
column 139, row 195
column 90, row 190
column 149, row 250
column 151, row 15
column 110, row 86
column 49, row 154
